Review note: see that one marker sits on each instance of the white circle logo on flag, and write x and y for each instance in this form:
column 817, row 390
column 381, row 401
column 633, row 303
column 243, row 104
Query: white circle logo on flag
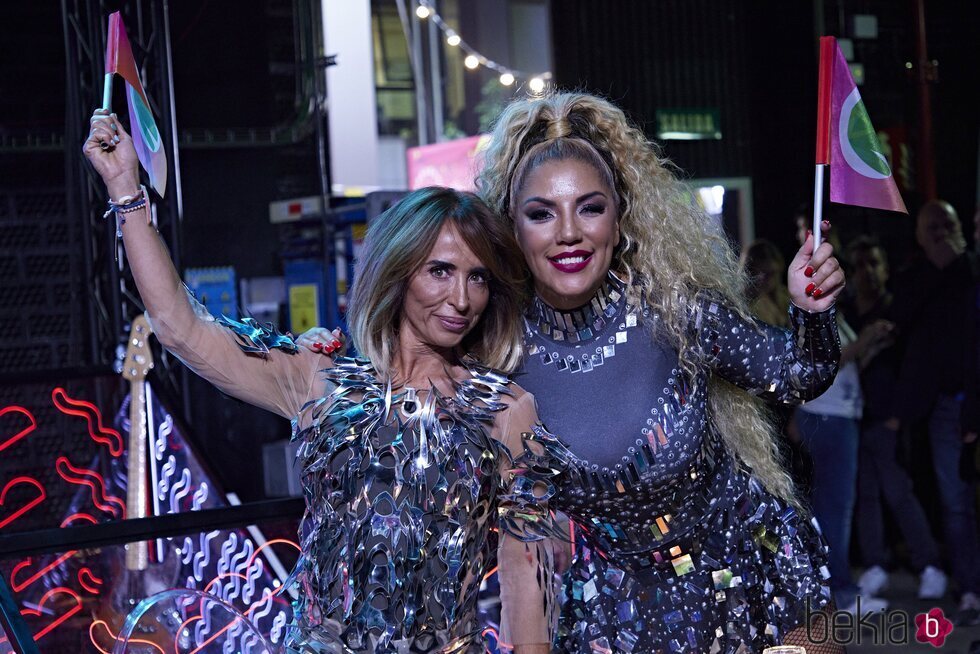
column 147, row 126
column 858, row 142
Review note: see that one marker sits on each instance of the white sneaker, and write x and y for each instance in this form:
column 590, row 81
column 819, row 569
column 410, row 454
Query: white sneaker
column 968, row 613
column 873, row 581
column 866, row 604
column 932, row 583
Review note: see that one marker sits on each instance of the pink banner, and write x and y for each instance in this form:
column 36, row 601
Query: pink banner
column 451, row 164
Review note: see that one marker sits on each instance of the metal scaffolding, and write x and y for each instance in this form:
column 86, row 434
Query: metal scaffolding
column 111, row 300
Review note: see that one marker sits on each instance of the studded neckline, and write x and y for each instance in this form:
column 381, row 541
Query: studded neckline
column 582, row 323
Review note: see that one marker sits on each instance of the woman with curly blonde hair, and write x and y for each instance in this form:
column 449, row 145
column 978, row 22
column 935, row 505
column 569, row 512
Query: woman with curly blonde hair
column 642, row 353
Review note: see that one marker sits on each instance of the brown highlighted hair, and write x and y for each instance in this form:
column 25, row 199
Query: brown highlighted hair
column 398, row 243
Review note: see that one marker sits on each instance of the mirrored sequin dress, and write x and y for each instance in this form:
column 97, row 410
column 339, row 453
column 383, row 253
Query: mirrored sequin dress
column 402, row 491
column 677, row 549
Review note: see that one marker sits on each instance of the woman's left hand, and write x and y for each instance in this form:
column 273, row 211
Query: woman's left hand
column 815, row 279
column 322, row 341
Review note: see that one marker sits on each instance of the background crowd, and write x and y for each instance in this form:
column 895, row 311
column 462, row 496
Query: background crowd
column 888, row 454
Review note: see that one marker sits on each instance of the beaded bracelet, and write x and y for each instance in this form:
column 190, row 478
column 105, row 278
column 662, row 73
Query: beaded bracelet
column 128, row 204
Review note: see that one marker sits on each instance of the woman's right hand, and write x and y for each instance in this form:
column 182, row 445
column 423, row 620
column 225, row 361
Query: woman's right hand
column 117, row 162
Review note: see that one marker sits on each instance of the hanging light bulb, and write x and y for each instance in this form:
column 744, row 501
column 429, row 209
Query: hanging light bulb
column 422, row 11
column 474, row 59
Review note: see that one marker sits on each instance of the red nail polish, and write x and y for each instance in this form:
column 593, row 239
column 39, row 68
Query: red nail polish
column 809, row 233
column 809, row 288
column 319, row 346
column 817, row 293
column 808, row 271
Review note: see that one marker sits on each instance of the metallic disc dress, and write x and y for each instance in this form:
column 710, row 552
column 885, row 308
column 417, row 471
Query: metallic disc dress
column 402, row 491
column 677, row 547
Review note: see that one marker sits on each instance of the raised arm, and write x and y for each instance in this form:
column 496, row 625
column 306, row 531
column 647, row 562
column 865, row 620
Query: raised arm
column 785, row 365
column 525, row 554
column 272, row 379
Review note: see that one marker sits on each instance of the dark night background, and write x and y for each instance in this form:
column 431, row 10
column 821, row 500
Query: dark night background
column 754, row 61
column 757, row 61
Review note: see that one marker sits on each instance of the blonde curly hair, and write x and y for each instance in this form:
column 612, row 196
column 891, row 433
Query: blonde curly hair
column 669, row 254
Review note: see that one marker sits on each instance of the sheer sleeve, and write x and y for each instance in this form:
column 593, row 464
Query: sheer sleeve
column 243, row 359
column 525, row 555
column 788, row 366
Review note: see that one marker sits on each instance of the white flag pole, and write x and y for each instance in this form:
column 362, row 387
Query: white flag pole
column 107, row 93
column 817, row 204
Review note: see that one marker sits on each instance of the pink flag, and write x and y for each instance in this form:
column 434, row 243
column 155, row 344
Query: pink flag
column 859, row 172
column 146, row 136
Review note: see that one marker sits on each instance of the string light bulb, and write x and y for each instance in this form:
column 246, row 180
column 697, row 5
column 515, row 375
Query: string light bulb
column 473, row 59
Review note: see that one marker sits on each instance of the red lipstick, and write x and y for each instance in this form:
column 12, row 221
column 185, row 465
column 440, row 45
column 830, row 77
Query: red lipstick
column 571, row 262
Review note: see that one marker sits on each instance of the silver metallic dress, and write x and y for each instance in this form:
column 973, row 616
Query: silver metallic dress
column 678, row 548
column 403, row 491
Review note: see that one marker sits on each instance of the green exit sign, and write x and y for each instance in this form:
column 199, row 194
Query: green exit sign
column 688, row 124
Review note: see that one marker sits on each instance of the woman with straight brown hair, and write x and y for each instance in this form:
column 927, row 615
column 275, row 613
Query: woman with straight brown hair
column 410, row 457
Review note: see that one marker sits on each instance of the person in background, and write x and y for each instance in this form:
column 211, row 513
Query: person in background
column 767, row 292
column 881, row 477
column 935, row 308
column 827, row 428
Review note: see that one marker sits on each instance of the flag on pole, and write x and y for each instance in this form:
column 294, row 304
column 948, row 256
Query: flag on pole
column 142, row 127
column 859, row 171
